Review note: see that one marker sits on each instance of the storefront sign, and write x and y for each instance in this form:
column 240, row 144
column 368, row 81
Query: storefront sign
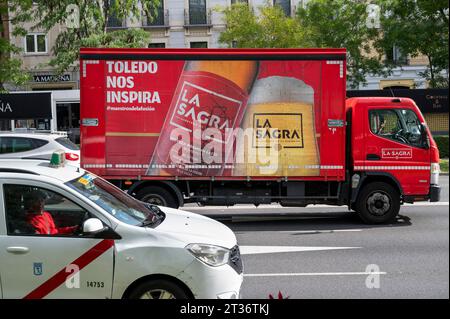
column 16, row 106
column 48, row 78
column 428, row 100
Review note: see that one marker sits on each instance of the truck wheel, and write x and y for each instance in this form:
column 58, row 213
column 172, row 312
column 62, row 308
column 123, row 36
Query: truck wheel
column 378, row 203
column 157, row 196
column 158, row 289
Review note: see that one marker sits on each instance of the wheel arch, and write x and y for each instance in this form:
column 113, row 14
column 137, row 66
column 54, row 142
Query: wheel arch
column 153, row 277
column 370, row 177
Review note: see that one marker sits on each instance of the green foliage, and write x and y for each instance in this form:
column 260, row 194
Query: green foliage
column 10, row 66
column 444, row 165
column 343, row 24
column 418, row 27
column 442, row 143
column 321, row 24
column 271, row 29
column 92, row 30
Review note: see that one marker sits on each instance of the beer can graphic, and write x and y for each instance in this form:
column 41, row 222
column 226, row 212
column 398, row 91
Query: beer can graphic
column 210, row 99
column 282, row 139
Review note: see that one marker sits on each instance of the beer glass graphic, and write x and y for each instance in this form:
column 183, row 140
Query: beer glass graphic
column 210, row 98
column 280, row 114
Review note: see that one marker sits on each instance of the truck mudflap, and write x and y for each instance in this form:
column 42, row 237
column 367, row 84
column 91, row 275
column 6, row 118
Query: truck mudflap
column 435, row 193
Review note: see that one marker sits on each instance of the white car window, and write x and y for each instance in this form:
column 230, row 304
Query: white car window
column 10, row 145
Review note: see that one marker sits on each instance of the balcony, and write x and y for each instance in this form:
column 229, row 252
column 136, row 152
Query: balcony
column 197, row 18
column 159, row 22
column 115, row 23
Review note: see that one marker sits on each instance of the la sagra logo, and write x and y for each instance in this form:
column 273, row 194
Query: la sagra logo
column 5, row 107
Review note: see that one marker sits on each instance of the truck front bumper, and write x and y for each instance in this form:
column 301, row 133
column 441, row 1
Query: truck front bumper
column 435, row 193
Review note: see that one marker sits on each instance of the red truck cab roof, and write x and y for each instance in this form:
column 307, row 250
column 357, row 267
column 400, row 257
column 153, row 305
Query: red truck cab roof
column 387, row 102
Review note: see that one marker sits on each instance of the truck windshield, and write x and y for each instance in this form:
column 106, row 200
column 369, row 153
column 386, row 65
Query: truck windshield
column 113, row 200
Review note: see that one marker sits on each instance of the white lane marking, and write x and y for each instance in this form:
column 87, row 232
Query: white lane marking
column 188, row 208
column 318, row 231
column 255, row 250
column 317, row 274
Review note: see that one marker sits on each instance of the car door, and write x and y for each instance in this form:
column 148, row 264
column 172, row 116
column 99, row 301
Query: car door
column 62, row 265
column 395, row 144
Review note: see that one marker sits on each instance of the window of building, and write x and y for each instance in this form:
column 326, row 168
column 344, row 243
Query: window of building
column 113, row 20
column 36, row 43
column 199, row 45
column 157, row 16
column 197, row 11
column 285, row 6
column 157, row 45
column 395, row 55
column 239, row 1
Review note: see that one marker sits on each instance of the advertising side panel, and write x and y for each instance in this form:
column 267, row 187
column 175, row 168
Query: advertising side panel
column 237, row 118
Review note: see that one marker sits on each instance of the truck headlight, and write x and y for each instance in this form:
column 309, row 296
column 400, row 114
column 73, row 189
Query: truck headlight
column 435, row 170
column 210, row 254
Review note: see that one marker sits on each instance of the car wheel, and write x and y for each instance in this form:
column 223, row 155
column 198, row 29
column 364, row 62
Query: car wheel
column 158, row 289
column 378, row 203
column 157, row 196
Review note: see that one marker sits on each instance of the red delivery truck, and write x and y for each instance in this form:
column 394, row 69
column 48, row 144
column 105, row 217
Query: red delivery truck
column 230, row 126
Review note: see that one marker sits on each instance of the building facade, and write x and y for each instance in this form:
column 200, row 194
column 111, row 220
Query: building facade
column 179, row 24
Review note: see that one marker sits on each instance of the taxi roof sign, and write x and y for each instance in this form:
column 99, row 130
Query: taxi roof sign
column 58, row 159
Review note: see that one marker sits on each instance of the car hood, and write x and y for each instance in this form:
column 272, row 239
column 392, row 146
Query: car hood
column 194, row 228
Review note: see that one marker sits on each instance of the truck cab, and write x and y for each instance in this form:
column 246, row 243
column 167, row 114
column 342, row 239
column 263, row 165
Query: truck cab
column 393, row 156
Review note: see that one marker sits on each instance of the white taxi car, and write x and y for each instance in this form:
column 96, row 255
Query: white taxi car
column 66, row 233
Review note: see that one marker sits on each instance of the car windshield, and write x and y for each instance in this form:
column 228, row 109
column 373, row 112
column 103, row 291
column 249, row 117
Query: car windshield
column 113, row 200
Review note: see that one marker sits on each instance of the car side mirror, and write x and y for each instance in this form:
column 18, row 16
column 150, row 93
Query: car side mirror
column 93, row 227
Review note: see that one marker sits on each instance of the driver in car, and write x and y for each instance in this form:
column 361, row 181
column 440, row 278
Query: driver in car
column 41, row 220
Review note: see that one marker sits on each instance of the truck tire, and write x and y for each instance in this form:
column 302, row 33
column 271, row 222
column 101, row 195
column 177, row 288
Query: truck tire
column 378, row 203
column 158, row 196
column 158, row 289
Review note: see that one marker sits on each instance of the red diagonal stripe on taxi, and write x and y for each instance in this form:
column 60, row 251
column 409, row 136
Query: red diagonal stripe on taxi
column 82, row 261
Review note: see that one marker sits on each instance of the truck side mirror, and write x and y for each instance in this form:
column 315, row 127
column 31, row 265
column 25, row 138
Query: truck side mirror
column 425, row 137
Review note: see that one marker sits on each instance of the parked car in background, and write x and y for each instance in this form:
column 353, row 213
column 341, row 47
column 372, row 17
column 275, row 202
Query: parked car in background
column 37, row 145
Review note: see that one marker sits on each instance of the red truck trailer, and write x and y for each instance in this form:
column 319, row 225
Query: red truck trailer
column 231, row 126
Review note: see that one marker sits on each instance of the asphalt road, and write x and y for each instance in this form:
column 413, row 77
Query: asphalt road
column 326, row 252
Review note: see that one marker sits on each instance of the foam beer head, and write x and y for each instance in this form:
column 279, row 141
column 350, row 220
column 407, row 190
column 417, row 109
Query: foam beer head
column 210, row 98
column 282, row 138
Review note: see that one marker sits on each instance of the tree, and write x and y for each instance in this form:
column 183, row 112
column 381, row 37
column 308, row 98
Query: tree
column 419, row 27
column 271, row 29
column 10, row 67
column 321, row 24
column 92, row 29
column 344, row 24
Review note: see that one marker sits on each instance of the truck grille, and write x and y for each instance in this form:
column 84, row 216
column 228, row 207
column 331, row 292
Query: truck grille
column 235, row 260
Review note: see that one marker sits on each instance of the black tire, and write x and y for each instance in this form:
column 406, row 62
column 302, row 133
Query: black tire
column 378, row 203
column 158, row 288
column 158, row 196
